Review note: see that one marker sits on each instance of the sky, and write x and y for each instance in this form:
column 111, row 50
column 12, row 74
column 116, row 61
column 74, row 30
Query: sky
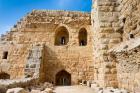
column 13, row 10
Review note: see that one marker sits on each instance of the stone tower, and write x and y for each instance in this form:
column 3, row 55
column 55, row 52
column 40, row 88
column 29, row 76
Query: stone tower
column 106, row 28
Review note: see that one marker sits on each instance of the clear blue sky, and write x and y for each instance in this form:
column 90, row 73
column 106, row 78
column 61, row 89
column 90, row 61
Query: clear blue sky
column 12, row 10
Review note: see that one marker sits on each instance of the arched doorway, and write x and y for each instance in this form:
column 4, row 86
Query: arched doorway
column 63, row 78
column 4, row 76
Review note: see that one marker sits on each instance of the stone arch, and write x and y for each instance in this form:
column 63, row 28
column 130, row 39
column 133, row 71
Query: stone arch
column 82, row 37
column 4, row 75
column 61, row 36
column 63, row 78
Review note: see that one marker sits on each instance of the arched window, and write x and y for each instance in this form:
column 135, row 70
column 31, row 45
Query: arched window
column 83, row 37
column 4, row 76
column 61, row 36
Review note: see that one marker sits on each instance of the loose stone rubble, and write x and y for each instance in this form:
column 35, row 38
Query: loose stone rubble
column 29, row 84
column 21, row 90
column 98, row 89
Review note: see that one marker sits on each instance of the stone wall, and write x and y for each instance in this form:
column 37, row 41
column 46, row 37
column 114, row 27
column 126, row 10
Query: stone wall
column 16, row 59
column 106, row 35
column 127, row 53
column 128, row 65
column 34, row 65
column 130, row 18
column 40, row 27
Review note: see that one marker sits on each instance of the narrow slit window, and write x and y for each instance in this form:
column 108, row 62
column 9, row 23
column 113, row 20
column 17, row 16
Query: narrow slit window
column 63, row 40
column 124, row 20
column 5, row 55
column 83, row 37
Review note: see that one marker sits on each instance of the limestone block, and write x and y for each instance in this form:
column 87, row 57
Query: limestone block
column 107, row 30
column 104, row 47
column 48, row 90
column 89, row 83
column 137, row 90
column 16, row 90
column 137, row 78
column 94, row 85
column 115, row 40
column 100, row 91
column 35, row 91
column 113, row 70
column 124, row 91
column 5, row 66
column 117, row 91
column 109, row 90
column 107, row 70
column 115, row 35
column 106, row 8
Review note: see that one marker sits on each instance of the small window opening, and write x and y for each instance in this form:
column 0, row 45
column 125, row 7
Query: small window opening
column 131, row 36
column 63, row 40
column 5, row 55
column 4, row 76
column 83, row 37
column 135, row 51
column 84, row 82
column 124, row 20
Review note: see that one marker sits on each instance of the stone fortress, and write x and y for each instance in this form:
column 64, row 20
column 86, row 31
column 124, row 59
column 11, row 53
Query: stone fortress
column 66, row 48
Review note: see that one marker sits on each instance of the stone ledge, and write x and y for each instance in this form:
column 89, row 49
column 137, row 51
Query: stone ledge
column 126, row 46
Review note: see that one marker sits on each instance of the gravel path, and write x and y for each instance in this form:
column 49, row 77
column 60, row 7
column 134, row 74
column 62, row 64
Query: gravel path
column 73, row 89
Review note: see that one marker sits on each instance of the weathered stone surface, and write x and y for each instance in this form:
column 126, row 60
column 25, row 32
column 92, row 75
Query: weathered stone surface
column 32, row 51
column 35, row 91
column 48, row 90
column 128, row 63
column 16, row 90
column 106, row 20
column 130, row 18
column 112, row 90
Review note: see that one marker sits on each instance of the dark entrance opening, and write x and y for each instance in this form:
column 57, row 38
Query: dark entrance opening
column 5, row 55
column 63, row 78
column 4, row 76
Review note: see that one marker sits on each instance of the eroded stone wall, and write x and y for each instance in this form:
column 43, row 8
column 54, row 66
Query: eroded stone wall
column 34, row 64
column 40, row 27
column 15, row 62
column 129, row 69
column 130, row 18
column 106, row 25
column 127, row 55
